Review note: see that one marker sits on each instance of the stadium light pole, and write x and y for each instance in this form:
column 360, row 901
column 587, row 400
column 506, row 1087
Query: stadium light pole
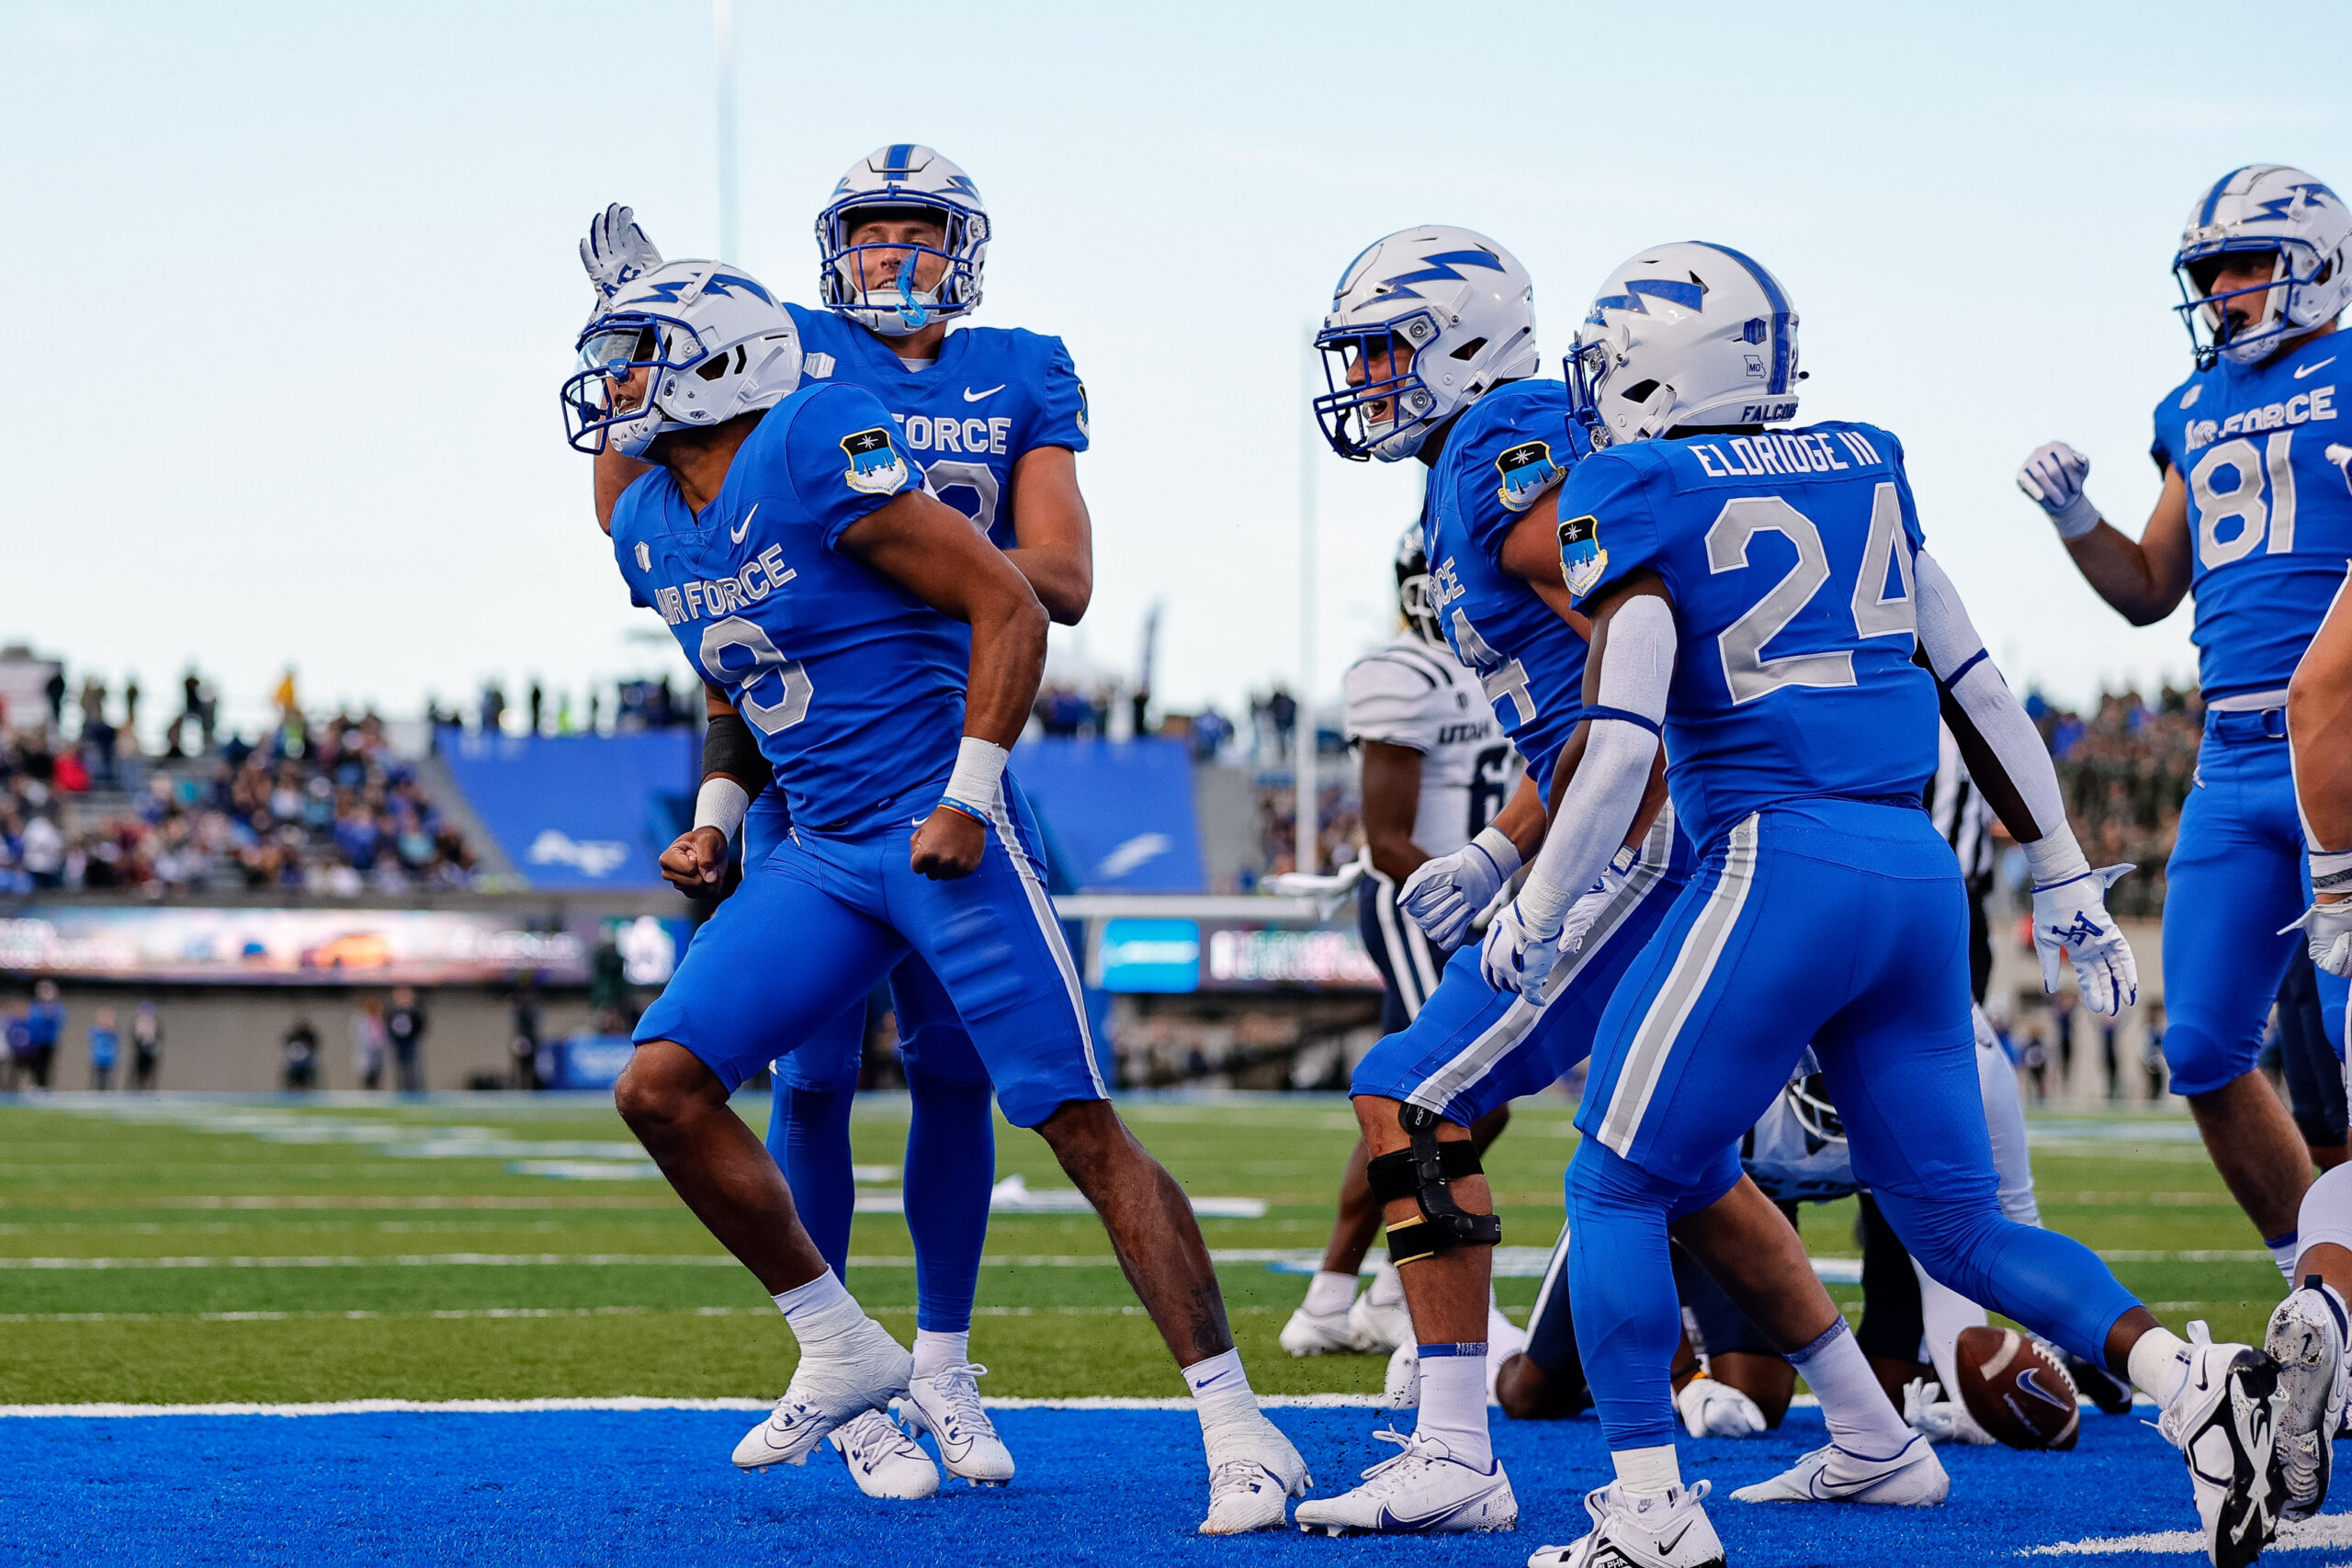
column 1308, row 853
column 722, row 29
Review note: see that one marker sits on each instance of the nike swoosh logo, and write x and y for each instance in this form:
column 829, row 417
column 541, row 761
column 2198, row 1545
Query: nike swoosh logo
column 736, row 534
column 2301, row 371
column 1393, row 1522
column 1210, row 1383
column 972, row 397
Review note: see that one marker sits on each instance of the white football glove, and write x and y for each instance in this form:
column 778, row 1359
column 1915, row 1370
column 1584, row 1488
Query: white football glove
column 615, row 253
column 1517, row 957
column 2053, row 476
column 1938, row 1419
column 2070, row 919
column 1594, row 899
column 1445, row 893
column 1711, row 1409
column 2328, row 927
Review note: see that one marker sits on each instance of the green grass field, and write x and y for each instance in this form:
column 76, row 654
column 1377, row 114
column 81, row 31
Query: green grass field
column 197, row 1251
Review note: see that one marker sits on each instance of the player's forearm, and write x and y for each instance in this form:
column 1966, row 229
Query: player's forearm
column 1523, row 818
column 2119, row 571
column 1062, row 577
column 2004, row 752
column 1008, row 663
column 2319, row 728
column 1393, row 854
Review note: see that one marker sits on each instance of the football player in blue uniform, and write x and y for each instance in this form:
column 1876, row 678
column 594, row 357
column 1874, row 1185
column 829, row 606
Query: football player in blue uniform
column 1431, row 346
column 859, row 625
column 1758, row 597
column 995, row 418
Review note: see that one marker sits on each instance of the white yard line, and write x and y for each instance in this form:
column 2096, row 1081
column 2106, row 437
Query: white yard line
column 529, row 1407
column 2326, row 1533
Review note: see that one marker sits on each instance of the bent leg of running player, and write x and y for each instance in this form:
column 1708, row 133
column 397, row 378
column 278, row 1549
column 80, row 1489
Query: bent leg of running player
column 809, row 1111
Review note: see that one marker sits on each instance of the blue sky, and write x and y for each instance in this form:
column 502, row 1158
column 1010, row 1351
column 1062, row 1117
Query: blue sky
column 298, row 283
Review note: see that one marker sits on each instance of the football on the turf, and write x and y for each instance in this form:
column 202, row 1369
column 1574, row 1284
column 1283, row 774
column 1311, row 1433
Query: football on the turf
column 2016, row 1389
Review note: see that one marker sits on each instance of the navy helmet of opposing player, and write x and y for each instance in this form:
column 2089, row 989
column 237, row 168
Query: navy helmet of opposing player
column 1688, row 336
column 882, row 286
column 2263, row 208
column 688, row 344
column 1422, row 324
column 1413, row 601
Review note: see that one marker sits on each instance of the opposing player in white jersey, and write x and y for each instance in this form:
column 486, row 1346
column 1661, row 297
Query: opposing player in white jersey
column 995, row 417
column 1436, row 770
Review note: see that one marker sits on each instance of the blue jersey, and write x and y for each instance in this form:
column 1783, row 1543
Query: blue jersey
column 995, row 395
column 1499, row 459
column 1788, row 557
column 2269, row 508
column 853, row 688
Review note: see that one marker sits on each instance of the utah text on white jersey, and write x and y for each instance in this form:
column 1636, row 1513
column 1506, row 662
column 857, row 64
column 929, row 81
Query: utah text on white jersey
column 1411, row 695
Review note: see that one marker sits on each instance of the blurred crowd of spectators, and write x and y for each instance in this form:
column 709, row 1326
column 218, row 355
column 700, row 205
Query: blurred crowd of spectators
column 326, row 808
column 2125, row 769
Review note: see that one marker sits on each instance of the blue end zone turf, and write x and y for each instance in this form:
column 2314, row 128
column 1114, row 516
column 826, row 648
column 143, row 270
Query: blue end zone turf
column 1122, row 1487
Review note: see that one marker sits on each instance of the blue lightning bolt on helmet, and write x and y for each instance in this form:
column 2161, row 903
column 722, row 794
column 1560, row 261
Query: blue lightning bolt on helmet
column 1687, row 335
column 878, row 290
column 709, row 342
column 2263, row 207
column 1422, row 324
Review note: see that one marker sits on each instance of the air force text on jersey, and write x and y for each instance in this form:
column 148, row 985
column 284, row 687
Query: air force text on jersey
column 697, row 597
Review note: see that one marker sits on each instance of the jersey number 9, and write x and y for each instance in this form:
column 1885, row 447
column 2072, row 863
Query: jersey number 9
column 791, row 704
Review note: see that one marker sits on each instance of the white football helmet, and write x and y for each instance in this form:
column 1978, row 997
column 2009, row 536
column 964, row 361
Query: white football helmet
column 1688, row 333
column 2264, row 207
column 1458, row 303
column 711, row 341
column 903, row 176
column 1413, row 602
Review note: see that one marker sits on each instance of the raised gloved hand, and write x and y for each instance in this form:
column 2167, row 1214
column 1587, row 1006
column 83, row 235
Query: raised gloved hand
column 2070, row 919
column 1445, row 893
column 615, row 253
column 1711, row 1409
column 1938, row 1419
column 2053, row 476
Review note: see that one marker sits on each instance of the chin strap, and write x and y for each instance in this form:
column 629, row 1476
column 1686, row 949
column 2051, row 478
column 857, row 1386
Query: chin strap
column 1421, row 1172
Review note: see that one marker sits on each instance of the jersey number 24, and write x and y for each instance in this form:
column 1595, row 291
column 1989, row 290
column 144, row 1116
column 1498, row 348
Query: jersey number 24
column 1747, row 672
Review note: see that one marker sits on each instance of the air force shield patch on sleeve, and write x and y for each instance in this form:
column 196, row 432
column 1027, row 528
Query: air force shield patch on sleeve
column 1582, row 560
column 875, row 466
column 1527, row 471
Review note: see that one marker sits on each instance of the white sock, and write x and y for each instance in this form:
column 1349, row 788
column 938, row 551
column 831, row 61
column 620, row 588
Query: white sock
column 936, row 1351
column 1387, row 1287
column 1453, row 1402
column 1329, row 1293
column 2159, row 1364
column 1854, row 1405
column 820, row 1310
column 1221, row 1395
column 2282, row 1252
column 1650, row 1473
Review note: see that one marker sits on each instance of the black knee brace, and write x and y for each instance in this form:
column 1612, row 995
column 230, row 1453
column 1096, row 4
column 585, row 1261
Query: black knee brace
column 1420, row 1173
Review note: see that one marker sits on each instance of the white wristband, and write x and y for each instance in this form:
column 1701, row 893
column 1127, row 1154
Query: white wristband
column 721, row 804
column 1497, row 846
column 979, row 769
column 2076, row 518
column 2055, row 857
column 2331, row 871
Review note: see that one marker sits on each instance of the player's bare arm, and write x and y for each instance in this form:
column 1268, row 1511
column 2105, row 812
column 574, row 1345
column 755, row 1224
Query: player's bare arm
column 1056, row 548
column 1391, row 798
column 2319, row 728
column 933, row 551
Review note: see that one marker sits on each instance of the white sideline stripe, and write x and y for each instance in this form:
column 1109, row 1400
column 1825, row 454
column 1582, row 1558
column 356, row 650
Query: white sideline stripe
column 449, row 1312
column 531, row 1407
column 2326, row 1533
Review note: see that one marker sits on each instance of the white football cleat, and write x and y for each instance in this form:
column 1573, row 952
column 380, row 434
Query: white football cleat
column 947, row 1405
column 827, row 1391
column 1321, row 1334
column 883, row 1460
column 1912, row 1478
column 1401, row 1389
column 2224, row 1421
column 1380, row 1327
column 1666, row 1530
column 1939, row 1420
column 1422, row 1491
column 2306, row 1338
column 1253, row 1473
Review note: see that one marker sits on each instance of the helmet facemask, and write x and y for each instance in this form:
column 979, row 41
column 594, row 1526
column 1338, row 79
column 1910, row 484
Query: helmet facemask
column 728, row 350
column 898, row 306
column 612, row 398
column 1387, row 416
column 2269, row 316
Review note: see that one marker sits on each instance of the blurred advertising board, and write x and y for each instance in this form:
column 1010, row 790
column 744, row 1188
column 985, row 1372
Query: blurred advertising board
column 369, row 947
